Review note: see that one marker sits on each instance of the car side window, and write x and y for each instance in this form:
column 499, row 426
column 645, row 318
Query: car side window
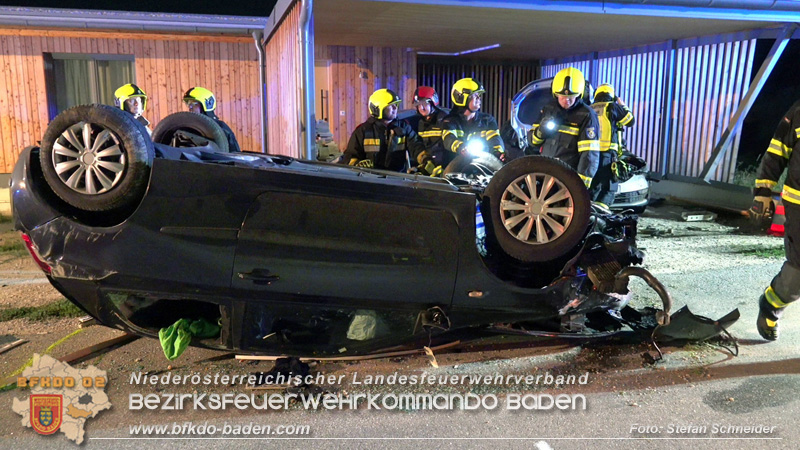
column 532, row 105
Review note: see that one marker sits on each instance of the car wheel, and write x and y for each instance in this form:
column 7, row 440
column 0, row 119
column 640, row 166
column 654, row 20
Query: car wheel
column 470, row 165
column 539, row 208
column 185, row 129
column 97, row 158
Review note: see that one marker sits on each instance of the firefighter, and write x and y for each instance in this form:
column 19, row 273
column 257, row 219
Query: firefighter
column 466, row 122
column 131, row 98
column 613, row 115
column 568, row 127
column 429, row 128
column 200, row 100
column 785, row 287
column 383, row 141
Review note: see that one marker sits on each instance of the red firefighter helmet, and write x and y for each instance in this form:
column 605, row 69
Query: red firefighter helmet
column 426, row 93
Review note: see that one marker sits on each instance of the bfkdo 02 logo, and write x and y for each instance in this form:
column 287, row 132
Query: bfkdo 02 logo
column 46, row 412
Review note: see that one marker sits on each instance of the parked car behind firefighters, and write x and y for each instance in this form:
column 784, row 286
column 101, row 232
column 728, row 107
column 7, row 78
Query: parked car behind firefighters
column 633, row 193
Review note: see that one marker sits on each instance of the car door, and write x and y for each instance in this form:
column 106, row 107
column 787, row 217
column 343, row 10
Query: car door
column 354, row 242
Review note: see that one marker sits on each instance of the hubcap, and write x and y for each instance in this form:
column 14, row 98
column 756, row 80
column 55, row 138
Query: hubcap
column 536, row 208
column 88, row 158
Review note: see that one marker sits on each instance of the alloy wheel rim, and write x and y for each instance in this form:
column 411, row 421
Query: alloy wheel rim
column 88, row 158
column 536, row 208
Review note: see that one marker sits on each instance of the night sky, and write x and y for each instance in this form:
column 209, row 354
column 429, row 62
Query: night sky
column 231, row 8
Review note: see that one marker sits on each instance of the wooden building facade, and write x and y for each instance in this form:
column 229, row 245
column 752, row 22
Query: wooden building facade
column 164, row 65
column 345, row 77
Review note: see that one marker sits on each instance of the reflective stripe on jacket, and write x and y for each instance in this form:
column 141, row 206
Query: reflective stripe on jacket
column 457, row 130
column 388, row 147
column 779, row 156
column 576, row 143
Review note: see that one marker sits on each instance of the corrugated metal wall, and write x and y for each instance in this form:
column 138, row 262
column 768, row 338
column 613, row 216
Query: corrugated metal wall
column 355, row 73
column 166, row 66
column 284, row 86
column 502, row 81
column 709, row 82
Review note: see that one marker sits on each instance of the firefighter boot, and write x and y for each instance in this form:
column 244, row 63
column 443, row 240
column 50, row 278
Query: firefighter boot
column 768, row 315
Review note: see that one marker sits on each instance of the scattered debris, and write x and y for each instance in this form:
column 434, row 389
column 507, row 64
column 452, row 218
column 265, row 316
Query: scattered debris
column 655, row 232
column 351, row 358
column 86, row 321
column 94, row 350
column 698, row 216
column 431, row 356
column 11, row 345
column 282, row 374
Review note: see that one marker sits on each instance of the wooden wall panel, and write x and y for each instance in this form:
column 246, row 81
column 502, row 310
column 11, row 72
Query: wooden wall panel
column 501, row 80
column 165, row 69
column 355, row 73
column 284, row 87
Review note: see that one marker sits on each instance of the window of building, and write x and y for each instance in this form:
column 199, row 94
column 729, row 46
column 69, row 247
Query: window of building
column 79, row 79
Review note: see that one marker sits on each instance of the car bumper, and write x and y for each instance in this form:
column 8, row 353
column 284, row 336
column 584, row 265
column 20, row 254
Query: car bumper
column 633, row 193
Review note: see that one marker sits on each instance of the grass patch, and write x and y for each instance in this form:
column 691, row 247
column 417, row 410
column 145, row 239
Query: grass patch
column 56, row 310
column 13, row 246
column 5, row 219
column 746, row 176
column 11, row 242
column 761, row 252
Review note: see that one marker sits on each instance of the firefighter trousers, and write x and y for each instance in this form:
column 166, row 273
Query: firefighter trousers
column 604, row 187
column 785, row 287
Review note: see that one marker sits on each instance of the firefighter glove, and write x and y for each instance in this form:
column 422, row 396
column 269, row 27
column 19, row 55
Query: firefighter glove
column 436, row 171
column 428, row 167
column 761, row 208
column 364, row 163
column 548, row 126
column 422, row 157
column 620, row 171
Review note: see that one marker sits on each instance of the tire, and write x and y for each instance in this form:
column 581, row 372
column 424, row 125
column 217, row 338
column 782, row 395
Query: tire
column 542, row 230
column 196, row 124
column 471, row 165
column 97, row 158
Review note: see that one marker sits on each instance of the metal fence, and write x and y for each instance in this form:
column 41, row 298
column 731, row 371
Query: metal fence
column 699, row 86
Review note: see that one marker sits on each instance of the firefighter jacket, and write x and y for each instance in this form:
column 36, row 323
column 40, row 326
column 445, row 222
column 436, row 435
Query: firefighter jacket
column 457, row 130
column 612, row 118
column 574, row 140
column 146, row 123
column 383, row 147
column 429, row 129
column 779, row 156
column 233, row 144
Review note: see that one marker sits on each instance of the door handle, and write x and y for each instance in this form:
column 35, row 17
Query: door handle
column 259, row 276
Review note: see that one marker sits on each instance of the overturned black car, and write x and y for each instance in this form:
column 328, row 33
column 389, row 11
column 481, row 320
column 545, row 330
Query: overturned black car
column 309, row 258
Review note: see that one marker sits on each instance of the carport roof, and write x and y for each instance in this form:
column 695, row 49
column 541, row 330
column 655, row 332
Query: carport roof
column 537, row 29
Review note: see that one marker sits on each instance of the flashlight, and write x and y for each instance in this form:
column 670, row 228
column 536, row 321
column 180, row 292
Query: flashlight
column 476, row 147
column 550, row 125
